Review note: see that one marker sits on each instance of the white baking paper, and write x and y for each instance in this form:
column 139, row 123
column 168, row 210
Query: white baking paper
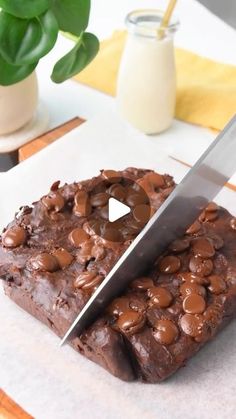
column 57, row 383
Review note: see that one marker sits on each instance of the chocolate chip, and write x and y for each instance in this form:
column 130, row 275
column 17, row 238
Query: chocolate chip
column 136, row 198
column 112, row 176
column 14, row 237
column 194, row 304
column 104, row 212
column 194, row 228
column 87, row 280
column 82, row 210
column 169, row 264
column 81, row 197
column 203, row 247
column 192, row 288
column 190, row 277
column 142, row 283
column 233, row 223
column 130, row 321
column 155, row 179
column 78, row 236
column 212, row 207
column 63, row 257
column 201, row 267
column 119, row 306
column 217, row 284
column 99, row 199
column 93, row 227
column 137, row 305
column 160, row 296
column 44, row 262
column 166, row 332
column 112, row 235
column 54, row 201
column 208, row 216
column 141, row 213
column 192, row 324
column 117, row 191
column 55, row 186
column 85, row 252
column 179, row 245
column 82, row 206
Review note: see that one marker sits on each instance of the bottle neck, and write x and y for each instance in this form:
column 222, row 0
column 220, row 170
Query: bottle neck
column 147, row 24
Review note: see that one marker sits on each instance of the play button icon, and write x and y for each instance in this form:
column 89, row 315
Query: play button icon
column 116, row 210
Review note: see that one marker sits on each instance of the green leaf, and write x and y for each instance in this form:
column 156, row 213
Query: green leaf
column 24, row 41
column 77, row 59
column 72, row 15
column 25, row 9
column 11, row 74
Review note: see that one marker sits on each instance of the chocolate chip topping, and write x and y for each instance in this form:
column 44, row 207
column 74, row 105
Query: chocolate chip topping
column 78, row 236
column 169, row 264
column 54, row 201
column 44, row 262
column 136, row 198
column 111, row 175
column 194, row 228
column 130, row 322
column 192, row 288
column 212, row 207
column 119, row 306
column 117, row 191
column 112, row 235
column 166, row 332
column 82, row 207
column 208, row 216
column 160, row 296
column 192, row 324
column 201, row 267
column 142, row 283
column 179, row 245
column 203, row 247
column 85, row 252
column 141, row 213
column 14, row 237
column 63, row 257
column 155, row 179
column 99, row 199
column 88, row 280
column 194, row 304
column 217, row 284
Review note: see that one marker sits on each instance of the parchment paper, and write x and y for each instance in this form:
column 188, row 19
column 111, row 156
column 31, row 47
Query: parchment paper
column 54, row 383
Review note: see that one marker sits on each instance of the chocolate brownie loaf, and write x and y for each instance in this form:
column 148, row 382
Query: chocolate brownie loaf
column 55, row 253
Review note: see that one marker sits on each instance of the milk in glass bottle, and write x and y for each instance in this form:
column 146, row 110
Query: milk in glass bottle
column 146, row 90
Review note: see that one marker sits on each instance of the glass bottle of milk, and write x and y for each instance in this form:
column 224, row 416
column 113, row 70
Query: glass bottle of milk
column 146, row 89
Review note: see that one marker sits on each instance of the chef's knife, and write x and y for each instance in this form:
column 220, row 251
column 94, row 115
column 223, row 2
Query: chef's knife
column 177, row 213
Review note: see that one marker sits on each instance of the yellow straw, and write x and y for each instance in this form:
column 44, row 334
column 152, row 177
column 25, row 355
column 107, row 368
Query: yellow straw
column 166, row 18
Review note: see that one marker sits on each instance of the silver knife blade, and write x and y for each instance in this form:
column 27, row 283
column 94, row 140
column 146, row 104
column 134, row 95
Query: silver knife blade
column 201, row 184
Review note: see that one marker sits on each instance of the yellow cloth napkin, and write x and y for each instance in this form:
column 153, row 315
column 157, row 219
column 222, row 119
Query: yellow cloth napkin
column 206, row 90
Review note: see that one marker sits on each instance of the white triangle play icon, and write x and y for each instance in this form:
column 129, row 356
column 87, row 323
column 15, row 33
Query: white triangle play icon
column 116, row 209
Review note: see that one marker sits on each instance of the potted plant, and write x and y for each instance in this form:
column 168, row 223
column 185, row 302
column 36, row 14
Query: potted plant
column 28, row 31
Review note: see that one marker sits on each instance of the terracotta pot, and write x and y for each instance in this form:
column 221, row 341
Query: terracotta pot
column 18, row 104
